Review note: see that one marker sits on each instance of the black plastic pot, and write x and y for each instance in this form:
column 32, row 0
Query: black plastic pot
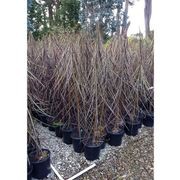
column 52, row 128
column 131, row 127
column 41, row 117
column 103, row 145
column 106, row 138
column 148, row 120
column 140, row 119
column 140, row 125
column 36, row 115
column 67, row 136
column 29, row 172
column 92, row 152
column 78, row 146
column 58, row 131
column 41, row 168
column 115, row 139
column 45, row 123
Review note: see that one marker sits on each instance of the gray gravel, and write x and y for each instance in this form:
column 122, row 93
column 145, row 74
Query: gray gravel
column 133, row 160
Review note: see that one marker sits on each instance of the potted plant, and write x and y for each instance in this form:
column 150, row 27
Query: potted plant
column 67, row 101
column 51, row 124
column 114, row 96
column 132, row 121
column 79, row 101
column 148, row 119
column 132, row 95
column 93, row 143
column 146, row 81
column 94, row 115
column 146, row 97
column 40, row 158
column 67, row 129
column 58, row 129
column 94, row 135
column 77, row 133
column 92, row 130
column 114, row 116
column 115, row 130
column 77, row 137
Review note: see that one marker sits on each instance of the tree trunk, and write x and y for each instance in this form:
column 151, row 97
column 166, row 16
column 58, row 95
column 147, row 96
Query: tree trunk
column 124, row 28
column 147, row 16
column 50, row 14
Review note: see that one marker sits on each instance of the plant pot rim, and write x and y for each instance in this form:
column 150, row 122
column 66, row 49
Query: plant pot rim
column 42, row 160
column 150, row 114
column 93, row 145
column 75, row 137
column 133, row 122
column 110, row 127
column 67, row 130
column 121, row 131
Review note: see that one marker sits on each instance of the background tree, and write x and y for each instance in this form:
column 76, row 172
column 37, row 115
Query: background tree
column 35, row 18
column 52, row 6
column 147, row 16
column 45, row 16
column 51, row 15
column 68, row 14
column 107, row 12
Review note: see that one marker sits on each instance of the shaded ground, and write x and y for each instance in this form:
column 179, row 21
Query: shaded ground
column 133, row 160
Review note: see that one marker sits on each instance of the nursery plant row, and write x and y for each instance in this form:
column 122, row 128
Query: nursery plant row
column 89, row 93
column 91, row 152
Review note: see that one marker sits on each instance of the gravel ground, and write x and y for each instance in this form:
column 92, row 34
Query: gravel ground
column 133, row 160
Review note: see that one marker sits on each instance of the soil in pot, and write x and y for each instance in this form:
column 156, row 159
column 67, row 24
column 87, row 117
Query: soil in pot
column 78, row 145
column 131, row 127
column 58, row 131
column 148, row 121
column 115, row 137
column 92, row 151
column 41, row 164
column 29, row 171
column 67, row 135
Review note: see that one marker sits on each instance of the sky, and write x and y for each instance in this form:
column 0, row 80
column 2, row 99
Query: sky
column 136, row 17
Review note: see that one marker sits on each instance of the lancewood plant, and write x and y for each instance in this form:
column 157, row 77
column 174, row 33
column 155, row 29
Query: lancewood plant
column 39, row 154
column 75, row 81
column 115, row 84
